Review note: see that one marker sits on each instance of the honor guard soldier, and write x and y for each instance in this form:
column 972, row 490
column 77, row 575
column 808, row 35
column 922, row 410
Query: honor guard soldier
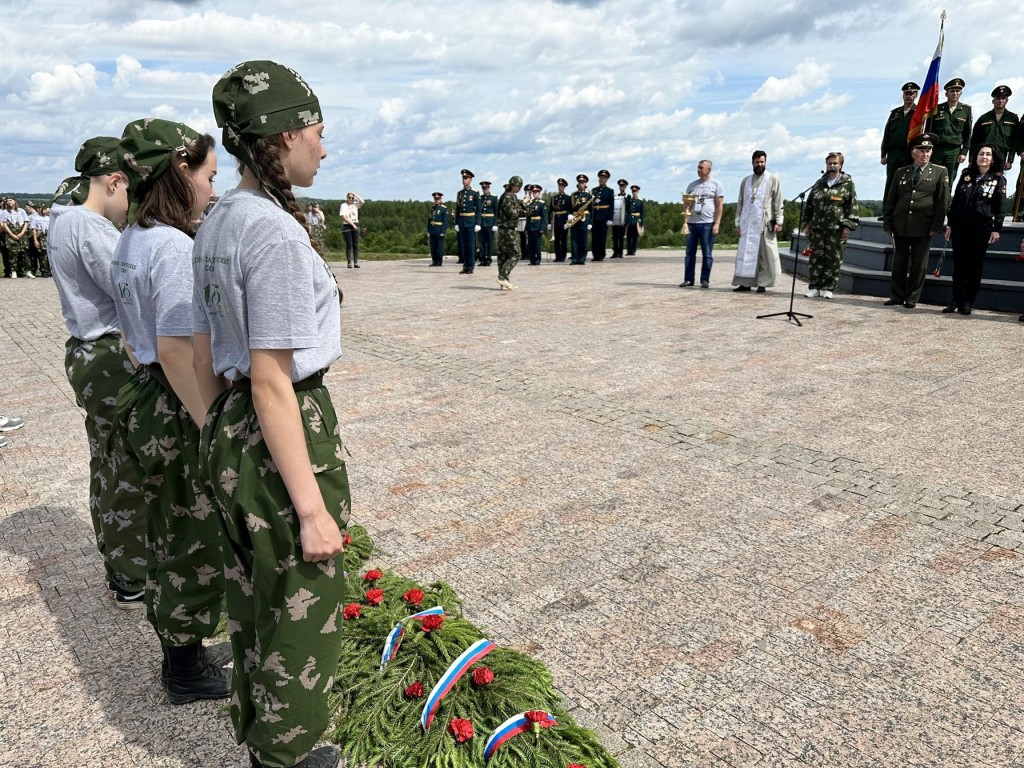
column 620, row 217
column 561, row 207
column 895, row 152
column 437, row 228
column 581, row 201
column 467, row 222
column 952, row 126
column 634, row 219
column 536, row 223
column 488, row 224
column 602, row 210
column 999, row 127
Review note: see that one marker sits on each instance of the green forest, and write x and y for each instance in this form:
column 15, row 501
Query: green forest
column 397, row 229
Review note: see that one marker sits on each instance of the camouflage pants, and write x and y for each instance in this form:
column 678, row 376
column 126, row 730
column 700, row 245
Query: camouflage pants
column 18, row 254
column 185, row 571
column 41, row 262
column 827, row 247
column 508, row 252
column 96, row 371
column 284, row 613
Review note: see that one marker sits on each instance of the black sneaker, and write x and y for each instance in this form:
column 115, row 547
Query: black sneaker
column 126, row 599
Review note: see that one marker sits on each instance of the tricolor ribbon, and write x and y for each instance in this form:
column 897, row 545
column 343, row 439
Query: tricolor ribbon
column 513, row 727
column 458, row 668
column 394, row 638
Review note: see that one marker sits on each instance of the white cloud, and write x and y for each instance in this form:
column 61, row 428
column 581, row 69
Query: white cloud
column 978, row 65
column 809, row 76
column 66, row 85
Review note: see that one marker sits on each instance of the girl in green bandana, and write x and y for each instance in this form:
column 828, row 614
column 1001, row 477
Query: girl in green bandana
column 267, row 326
column 170, row 170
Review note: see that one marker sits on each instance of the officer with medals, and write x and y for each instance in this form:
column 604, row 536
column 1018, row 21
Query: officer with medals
column 999, row 127
column 634, row 220
column 580, row 201
column 602, row 211
column 952, row 126
column 437, row 228
column 488, row 225
column 895, row 151
column 467, row 222
column 561, row 207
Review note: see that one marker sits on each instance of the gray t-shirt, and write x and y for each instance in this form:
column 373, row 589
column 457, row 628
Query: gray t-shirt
column 81, row 246
column 706, row 192
column 260, row 285
column 152, row 276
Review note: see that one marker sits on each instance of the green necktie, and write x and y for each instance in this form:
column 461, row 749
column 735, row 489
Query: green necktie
column 917, row 174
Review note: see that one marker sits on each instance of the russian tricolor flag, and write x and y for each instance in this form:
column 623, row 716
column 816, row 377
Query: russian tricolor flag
column 929, row 99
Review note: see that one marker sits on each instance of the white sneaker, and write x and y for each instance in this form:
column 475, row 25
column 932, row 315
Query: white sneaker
column 826, row 294
column 10, row 423
column 812, row 293
column 14, row 275
column 30, row 276
column 4, row 442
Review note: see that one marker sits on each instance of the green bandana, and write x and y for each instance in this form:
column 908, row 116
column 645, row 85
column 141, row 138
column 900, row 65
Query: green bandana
column 96, row 157
column 261, row 98
column 146, row 150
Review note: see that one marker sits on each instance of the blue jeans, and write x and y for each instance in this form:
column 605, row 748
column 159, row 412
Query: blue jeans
column 701, row 232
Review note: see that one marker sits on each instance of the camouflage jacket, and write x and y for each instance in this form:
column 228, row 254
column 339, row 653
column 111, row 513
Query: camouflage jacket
column 833, row 207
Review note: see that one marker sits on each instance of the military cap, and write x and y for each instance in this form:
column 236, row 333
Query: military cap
column 538, row 188
column 466, row 172
column 604, row 173
column 1001, row 92
column 563, row 182
column 635, row 188
column 924, row 141
column 485, row 183
column 956, row 82
column 623, row 182
column 582, row 177
column 437, row 195
column 515, row 181
column 910, row 86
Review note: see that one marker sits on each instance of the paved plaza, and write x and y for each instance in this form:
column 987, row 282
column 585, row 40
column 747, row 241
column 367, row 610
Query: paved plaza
column 734, row 542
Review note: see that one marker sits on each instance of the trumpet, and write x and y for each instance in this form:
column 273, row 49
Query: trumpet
column 688, row 203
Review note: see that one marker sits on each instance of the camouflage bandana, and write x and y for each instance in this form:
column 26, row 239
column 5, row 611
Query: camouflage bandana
column 258, row 99
column 145, row 152
column 96, row 157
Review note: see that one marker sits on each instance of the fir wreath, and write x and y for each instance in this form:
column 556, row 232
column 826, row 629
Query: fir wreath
column 376, row 712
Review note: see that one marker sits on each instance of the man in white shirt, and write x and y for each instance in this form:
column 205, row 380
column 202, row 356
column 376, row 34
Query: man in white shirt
column 349, row 213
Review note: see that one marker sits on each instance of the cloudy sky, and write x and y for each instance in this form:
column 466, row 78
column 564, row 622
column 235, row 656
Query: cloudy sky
column 414, row 91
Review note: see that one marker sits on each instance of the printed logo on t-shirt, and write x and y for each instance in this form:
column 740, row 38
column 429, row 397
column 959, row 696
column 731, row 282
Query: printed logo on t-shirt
column 124, row 289
column 211, row 295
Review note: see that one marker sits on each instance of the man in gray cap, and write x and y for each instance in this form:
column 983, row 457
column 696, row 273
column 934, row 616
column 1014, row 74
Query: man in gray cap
column 999, row 127
column 914, row 211
column 952, row 125
column 895, row 152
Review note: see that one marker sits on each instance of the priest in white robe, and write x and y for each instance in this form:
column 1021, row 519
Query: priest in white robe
column 758, row 220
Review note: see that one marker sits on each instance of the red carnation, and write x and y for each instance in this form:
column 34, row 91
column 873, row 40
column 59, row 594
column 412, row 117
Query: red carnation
column 414, row 691
column 374, row 596
column 413, row 597
column 536, row 716
column 462, row 730
column 577, row 765
column 483, row 676
column 351, row 611
column 348, row 538
column 373, row 575
column 432, row 622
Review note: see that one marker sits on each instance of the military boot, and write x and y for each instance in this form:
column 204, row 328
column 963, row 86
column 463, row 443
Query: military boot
column 190, row 676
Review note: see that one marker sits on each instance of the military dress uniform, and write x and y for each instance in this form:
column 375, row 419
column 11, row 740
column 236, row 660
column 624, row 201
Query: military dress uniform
column 467, row 219
column 952, row 126
column 561, row 206
column 895, row 148
column 536, row 223
column 601, row 212
column 437, row 228
column 914, row 209
column 580, row 200
column 635, row 220
column 488, row 226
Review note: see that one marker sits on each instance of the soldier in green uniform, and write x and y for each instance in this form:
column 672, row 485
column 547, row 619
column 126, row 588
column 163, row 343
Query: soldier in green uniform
column 895, row 152
column 952, row 125
column 634, row 219
column 488, row 225
column 580, row 202
column 510, row 209
column 999, row 127
column 831, row 214
column 560, row 209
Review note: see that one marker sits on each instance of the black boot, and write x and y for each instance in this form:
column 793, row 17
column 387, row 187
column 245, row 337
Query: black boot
column 190, row 677
column 322, row 757
column 218, row 654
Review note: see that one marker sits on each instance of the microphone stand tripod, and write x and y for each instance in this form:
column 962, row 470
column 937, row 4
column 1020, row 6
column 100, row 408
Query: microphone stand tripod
column 794, row 317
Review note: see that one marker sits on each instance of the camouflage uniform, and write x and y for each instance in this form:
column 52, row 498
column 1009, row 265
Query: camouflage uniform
column 510, row 208
column 96, row 371
column 284, row 613
column 185, row 578
column 828, row 211
column 17, row 250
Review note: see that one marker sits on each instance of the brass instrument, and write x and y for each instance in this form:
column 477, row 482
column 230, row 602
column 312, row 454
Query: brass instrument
column 578, row 215
column 688, row 203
